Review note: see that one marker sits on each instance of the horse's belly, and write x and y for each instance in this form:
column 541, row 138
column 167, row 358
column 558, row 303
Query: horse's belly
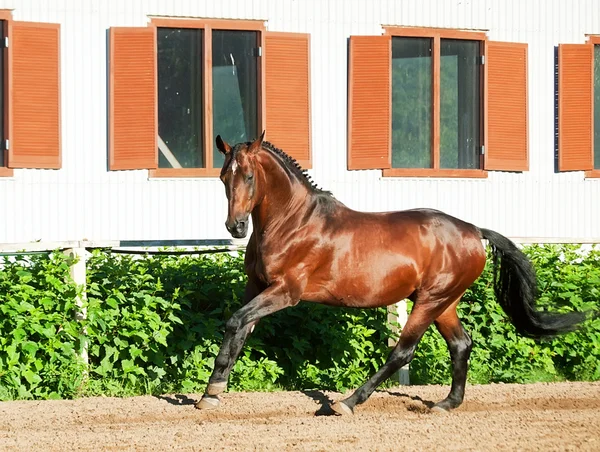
column 363, row 289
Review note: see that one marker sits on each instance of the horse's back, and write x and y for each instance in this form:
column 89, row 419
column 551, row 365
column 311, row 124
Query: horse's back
column 422, row 225
column 372, row 259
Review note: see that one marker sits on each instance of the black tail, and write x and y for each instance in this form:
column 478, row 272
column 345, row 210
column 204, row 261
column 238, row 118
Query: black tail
column 515, row 285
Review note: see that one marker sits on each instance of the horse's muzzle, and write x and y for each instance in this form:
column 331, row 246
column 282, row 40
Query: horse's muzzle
column 238, row 228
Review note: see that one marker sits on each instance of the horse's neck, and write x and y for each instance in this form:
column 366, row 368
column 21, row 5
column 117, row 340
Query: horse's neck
column 283, row 198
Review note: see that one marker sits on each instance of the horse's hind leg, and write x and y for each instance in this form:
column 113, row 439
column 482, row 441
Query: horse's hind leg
column 418, row 321
column 459, row 345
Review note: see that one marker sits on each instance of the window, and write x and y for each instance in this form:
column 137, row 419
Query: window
column 579, row 107
column 180, row 112
column 411, row 102
column 417, row 103
column 412, row 95
column 460, row 104
column 235, row 87
column 191, row 80
column 180, row 94
column 30, row 125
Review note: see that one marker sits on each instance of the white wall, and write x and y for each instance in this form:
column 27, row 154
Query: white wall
column 85, row 201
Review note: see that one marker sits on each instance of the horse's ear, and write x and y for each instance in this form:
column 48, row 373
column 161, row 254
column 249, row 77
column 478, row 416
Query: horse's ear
column 222, row 146
column 256, row 144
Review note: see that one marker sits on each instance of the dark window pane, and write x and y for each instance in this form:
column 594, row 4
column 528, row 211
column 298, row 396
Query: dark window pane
column 459, row 104
column 411, row 102
column 597, row 106
column 235, row 87
column 180, row 112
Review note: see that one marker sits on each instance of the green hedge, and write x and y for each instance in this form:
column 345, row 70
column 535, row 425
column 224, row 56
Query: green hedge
column 155, row 324
column 39, row 338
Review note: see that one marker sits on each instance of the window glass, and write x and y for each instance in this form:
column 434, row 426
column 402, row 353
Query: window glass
column 180, row 113
column 411, row 102
column 235, row 87
column 460, row 101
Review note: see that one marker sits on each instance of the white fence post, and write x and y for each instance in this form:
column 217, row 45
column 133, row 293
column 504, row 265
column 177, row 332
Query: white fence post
column 402, row 318
column 78, row 273
column 397, row 314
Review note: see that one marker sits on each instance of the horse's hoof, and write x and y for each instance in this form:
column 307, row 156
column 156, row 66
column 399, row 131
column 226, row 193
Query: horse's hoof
column 208, row 402
column 439, row 410
column 214, row 389
column 342, row 409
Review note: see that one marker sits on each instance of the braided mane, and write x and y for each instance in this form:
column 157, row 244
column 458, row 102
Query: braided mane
column 295, row 167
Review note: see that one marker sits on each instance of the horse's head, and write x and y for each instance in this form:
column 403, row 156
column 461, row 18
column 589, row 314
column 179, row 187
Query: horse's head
column 239, row 176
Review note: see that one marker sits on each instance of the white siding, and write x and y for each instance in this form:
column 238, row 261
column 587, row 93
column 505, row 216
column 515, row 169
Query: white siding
column 85, row 201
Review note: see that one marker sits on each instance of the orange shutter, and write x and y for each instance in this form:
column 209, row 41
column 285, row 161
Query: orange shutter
column 575, row 89
column 34, row 95
column 287, row 79
column 506, row 133
column 370, row 102
column 133, row 99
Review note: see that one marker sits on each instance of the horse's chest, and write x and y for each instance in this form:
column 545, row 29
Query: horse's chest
column 263, row 271
column 272, row 261
column 269, row 270
column 261, row 275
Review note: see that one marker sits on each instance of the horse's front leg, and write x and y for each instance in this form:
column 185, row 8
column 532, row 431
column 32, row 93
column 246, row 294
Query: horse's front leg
column 238, row 327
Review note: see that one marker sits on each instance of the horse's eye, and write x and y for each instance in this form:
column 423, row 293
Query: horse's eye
column 249, row 177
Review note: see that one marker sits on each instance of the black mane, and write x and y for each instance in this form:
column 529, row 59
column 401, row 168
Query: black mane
column 295, row 168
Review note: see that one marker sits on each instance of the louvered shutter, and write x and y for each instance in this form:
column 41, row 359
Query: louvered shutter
column 575, row 98
column 506, row 100
column 287, row 79
column 34, row 95
column 133, row 99
column 369, row 102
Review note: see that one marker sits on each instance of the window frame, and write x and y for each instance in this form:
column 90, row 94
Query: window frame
column 207, row 25
column 437, row 34
column 593, row 173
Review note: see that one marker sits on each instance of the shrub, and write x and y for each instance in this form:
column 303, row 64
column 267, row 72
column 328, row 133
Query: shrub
column 39, row 338
column 155, row 323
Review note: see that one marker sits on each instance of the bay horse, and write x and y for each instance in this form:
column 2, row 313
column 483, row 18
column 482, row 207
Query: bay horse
column 306, row 245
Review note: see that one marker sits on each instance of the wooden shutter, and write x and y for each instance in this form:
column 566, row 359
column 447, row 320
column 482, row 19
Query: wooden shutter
column 506, row 133
column 287, row 75
column 133, row 99
column 575, row 98
column 370, row 102
column 34, row 95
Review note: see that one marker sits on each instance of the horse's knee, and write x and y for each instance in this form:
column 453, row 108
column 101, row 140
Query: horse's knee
column 236, row 325
column 233, row 324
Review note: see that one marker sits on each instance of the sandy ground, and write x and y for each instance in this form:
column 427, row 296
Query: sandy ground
column 564, row 416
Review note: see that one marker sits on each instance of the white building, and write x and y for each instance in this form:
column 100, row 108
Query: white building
column 481, row 108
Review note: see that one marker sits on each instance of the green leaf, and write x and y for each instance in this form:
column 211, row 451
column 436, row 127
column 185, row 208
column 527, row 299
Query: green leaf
column 29, row 347
column 31, row 377
column 111, row 302
column 128, row 366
